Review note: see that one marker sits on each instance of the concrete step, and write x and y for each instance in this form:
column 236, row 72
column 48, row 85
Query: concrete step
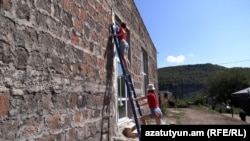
column 130, row 130
column 152, row 122
column 135, row 133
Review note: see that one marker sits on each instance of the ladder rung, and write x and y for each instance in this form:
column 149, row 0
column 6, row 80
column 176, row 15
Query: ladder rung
column 105, row 132
column 137, row 108
column 105, row 117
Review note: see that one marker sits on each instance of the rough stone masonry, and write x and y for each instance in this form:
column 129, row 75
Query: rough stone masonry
column 53, row 74
column 52, row 69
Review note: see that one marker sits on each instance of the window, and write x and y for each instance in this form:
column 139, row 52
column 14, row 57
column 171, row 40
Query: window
column 144, row 71
column 121, row 88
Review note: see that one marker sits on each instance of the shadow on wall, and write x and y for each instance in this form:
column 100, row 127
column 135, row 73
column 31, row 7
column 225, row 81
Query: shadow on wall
column 108, row 95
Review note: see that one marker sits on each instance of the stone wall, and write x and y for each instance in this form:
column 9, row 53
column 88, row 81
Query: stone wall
column 55, row 81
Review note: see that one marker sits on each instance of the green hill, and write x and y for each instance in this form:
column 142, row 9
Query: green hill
column 187, row 80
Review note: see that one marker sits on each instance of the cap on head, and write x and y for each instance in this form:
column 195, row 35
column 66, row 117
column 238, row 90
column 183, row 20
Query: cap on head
column 151, row 87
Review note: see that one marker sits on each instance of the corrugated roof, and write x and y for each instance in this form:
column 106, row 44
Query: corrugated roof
column 243, row 91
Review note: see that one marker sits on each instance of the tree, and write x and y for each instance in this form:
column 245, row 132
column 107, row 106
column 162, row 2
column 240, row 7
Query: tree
column 221, row 85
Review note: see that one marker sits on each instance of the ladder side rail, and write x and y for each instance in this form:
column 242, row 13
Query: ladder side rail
column 133, row 109
column 135, row 95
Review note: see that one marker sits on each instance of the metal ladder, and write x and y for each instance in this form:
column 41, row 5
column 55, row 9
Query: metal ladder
column 129, row 84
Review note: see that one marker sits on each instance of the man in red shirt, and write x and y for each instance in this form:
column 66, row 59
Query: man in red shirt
column 152, row 101
column 123, row 45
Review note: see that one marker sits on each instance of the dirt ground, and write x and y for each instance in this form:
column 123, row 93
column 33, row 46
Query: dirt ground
column 199, row 116
column 193, row 116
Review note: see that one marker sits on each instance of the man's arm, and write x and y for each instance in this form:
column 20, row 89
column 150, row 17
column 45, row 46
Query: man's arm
column 139, row 98
column 144, row 103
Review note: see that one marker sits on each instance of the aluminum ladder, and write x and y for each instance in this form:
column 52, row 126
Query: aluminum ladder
column 129, row 83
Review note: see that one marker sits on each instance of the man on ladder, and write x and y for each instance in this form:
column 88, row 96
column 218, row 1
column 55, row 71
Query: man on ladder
column 123, row 46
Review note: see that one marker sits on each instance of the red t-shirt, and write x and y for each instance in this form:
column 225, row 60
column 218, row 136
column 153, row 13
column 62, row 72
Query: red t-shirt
column 152, row 100
column 124, row 36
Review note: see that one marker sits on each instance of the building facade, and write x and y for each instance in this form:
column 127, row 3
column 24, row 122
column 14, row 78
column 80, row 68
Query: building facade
column 60, row 76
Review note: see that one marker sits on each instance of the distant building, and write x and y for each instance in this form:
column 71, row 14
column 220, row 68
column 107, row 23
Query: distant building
column 165, row 96
column 241, row 99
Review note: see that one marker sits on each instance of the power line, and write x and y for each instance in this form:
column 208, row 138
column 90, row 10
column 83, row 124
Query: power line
column 234, row 62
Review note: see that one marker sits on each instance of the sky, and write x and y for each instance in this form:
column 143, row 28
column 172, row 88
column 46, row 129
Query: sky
column 189, row 32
